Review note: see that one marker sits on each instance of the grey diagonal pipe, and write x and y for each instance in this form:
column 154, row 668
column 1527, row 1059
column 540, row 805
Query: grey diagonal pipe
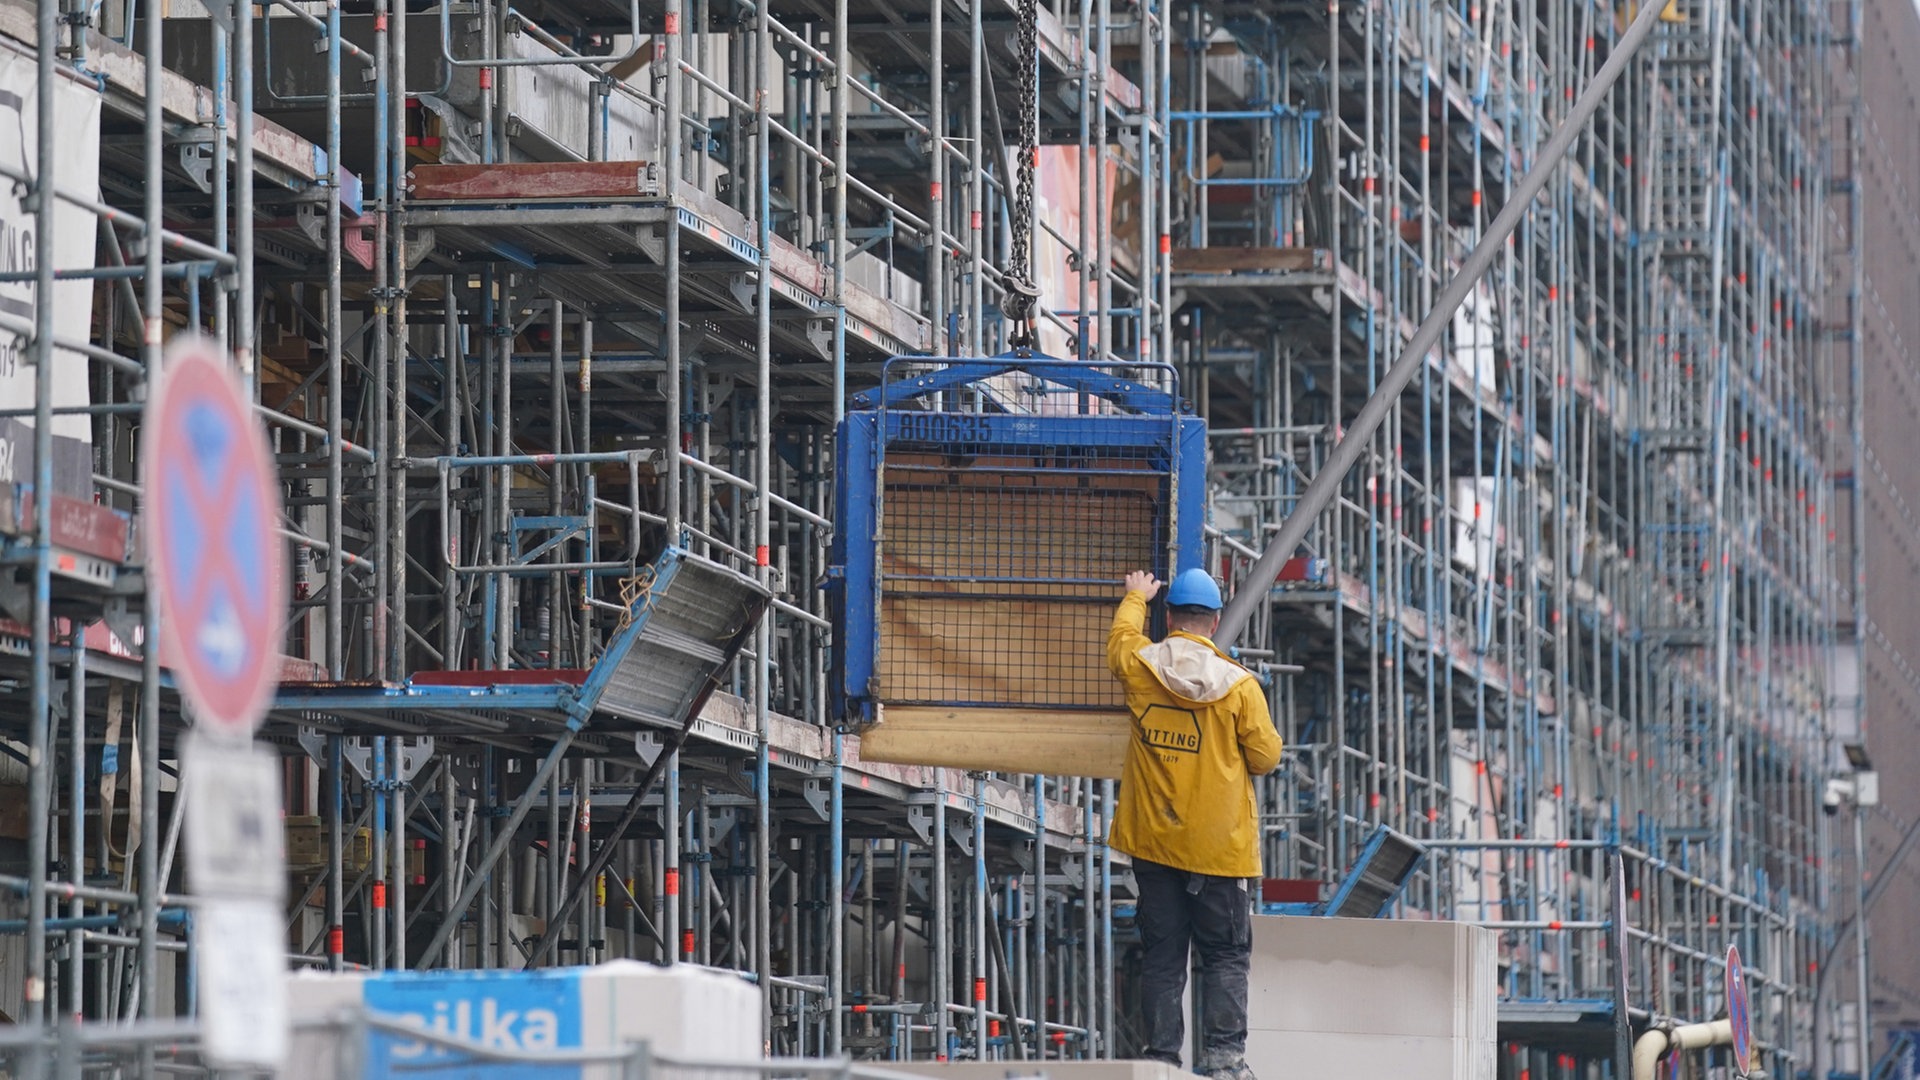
column 1347, row 451
column 603, row 856
column 1883, row 878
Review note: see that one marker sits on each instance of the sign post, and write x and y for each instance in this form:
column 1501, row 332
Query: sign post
column 215, row 569
column 236, row 862
column 1617, row 944
column 1739, row 1012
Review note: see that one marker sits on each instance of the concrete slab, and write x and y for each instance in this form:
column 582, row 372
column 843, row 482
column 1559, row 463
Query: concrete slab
column 681, row 1012
column 1371, row 997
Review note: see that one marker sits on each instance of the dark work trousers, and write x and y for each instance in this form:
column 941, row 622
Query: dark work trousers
column 1214, row 916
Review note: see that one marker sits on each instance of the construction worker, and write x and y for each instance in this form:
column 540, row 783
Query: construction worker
column 1201, row 733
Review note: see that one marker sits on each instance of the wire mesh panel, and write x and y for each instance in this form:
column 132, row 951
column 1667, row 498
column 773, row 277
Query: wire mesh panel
column 997, row 572
column 980, row 560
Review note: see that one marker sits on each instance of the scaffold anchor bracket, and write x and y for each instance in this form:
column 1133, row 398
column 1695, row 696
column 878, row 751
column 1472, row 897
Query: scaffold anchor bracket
column 221, row 13
column 196, row 160
column 311, row 217
column 647, row 744
column 16, row 600
column 358, row 754
column 415, row 751
column 419, row 246
column 744, row 290
column 122, row 621
column 920, row 820
column 817, row 796
column 314, row 743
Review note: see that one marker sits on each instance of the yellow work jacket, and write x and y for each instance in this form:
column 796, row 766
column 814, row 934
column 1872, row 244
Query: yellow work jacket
column 1201, row 733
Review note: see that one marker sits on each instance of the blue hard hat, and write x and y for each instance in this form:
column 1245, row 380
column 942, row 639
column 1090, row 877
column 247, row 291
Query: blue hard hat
column 1194, row 588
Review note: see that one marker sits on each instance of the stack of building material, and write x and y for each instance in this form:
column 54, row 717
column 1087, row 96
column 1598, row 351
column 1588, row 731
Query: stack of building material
column 679, row 1012
column 1372, row 997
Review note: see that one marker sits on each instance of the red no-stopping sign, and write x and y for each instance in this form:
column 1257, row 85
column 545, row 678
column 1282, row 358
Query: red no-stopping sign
column 214, row 554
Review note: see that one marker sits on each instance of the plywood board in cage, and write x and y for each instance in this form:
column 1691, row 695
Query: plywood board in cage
column 999, row 576
column 1053, row 742
column 1028, row 540
column 965, row 651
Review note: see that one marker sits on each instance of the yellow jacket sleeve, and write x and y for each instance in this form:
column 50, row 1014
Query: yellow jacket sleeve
column 1128, row 634
column 1259, row 740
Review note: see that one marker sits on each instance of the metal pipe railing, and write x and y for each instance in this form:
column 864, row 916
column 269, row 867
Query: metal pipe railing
column 567, row 57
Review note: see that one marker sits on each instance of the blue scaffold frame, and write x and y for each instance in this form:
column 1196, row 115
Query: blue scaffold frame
column 1147, row 418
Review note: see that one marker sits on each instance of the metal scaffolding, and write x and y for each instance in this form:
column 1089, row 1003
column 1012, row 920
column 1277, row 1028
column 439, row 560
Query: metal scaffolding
column 536, row 296
column 1580, row 591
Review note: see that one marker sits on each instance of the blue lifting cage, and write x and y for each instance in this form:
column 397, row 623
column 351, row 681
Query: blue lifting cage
column 987, row 509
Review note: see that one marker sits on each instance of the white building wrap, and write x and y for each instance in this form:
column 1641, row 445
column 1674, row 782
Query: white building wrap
column 77, row 171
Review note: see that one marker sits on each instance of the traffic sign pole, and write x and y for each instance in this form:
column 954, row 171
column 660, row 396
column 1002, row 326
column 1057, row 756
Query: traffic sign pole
column 236, row 864
column 1739, row 1012
column 215, row 565
column 1622, row 1031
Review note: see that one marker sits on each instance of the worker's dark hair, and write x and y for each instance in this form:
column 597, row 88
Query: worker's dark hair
column 1192, row 619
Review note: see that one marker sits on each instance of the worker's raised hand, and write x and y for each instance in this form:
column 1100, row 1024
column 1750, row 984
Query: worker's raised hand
column 1141, row 581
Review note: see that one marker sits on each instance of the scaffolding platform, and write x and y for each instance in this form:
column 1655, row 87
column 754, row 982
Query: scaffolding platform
column 1577, row 1026
column 686, row 622
column 595, row 230
column 283, row 160
column 91, row 546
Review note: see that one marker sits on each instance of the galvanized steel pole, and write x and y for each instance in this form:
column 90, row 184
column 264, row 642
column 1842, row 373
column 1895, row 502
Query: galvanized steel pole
column 395, row 447
column 1346, row 453
column 336, row 495
column 1617, row 949
column 153, row 320
column 76, row 817
column 1863, row 1021
column 377, row 344
column 242, row 331
column 40, row 716
column 762, row 918
column 670, row 341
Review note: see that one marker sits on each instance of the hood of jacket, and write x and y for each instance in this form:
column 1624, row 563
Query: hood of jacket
column 1191, row 669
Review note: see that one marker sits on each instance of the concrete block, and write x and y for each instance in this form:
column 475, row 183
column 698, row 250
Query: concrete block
column 1371, row 997
column 680, row 1012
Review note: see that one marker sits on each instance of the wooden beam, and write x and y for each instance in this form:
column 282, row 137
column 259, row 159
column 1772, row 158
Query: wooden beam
column 1054, row 742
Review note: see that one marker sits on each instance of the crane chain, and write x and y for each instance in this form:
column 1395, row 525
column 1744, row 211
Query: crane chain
column 1022, row 294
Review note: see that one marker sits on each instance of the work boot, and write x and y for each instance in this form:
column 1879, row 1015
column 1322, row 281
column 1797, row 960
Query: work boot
column 1239, row 1070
